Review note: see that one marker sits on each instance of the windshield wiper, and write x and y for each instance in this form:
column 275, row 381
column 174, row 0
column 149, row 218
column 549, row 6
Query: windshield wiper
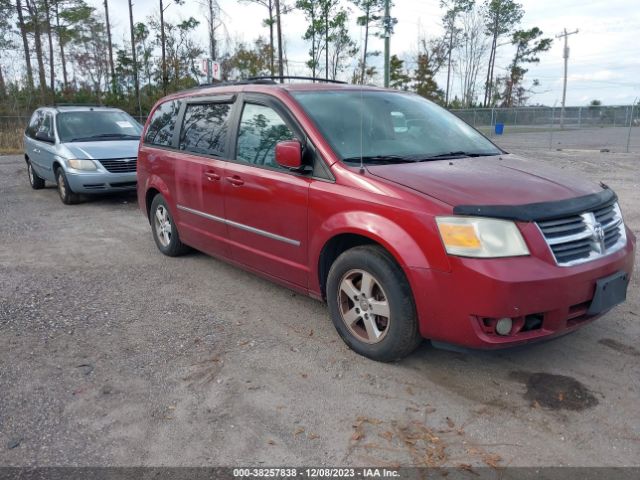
column 105, row 136
column 379, row 159
column 457, row 154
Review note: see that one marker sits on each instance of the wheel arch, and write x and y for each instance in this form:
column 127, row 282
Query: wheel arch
column 154, row 186
column 362, row 228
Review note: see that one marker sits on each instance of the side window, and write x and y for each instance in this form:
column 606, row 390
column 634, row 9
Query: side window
column 260, row 129
column 34, row 124
column 162, row 124
column 47, row 124
column 205, row 127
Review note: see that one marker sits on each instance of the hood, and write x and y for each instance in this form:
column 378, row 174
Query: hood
column 103, row 150
column 496, row 180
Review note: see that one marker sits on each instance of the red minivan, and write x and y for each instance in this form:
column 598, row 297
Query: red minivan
column 408, row 222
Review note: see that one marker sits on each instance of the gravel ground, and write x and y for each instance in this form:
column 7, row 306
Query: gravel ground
column 113, row 354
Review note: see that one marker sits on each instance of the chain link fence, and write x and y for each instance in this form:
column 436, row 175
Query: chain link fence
column 607, row 128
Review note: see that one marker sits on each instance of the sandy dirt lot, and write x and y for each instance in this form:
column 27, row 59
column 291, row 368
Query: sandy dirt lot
column 113, row 354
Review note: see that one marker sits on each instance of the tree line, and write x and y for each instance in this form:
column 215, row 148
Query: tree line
column 63, row 51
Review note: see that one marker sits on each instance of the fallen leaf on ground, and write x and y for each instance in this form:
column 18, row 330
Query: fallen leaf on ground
column 298, row 431
column 492, row 460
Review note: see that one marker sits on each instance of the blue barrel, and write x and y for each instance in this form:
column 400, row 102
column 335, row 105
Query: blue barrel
column 499, row 128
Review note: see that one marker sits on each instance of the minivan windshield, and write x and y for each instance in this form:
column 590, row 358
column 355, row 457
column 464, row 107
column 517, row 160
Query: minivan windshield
column 96, row 125
column 390, row 127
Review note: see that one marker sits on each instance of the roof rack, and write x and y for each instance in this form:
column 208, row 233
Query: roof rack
column 267, row 80
column 294, row 77
column 63, row 104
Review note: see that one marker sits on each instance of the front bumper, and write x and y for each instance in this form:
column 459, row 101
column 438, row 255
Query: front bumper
column 101, row 182
column 454, row 307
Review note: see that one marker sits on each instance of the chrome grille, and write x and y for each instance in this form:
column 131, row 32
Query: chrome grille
column 119, row 165
column 581, row 238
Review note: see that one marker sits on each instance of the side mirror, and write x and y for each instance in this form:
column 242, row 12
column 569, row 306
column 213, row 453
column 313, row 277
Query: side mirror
column 44, row 137
column 289, row 154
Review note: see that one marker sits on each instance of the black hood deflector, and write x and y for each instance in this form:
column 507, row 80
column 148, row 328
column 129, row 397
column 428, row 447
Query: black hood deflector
column 541, row 211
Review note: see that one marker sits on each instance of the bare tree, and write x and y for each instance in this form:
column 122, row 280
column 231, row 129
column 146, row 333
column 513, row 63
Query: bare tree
column 270, row 22
column 342, row 45
column 471, row 53
column 501, row 17
column 36, row 25
column 110, row 44
column 450, row 21
column 25, row 42
column 52, row 74
column 214, row 23
column 136, row 80
column 6, row 42
column 372, row 14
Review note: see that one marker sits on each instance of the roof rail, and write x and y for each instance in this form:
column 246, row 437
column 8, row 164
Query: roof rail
column 70, row 104
column 227, row 83
column 266, row 80
column 294, row 77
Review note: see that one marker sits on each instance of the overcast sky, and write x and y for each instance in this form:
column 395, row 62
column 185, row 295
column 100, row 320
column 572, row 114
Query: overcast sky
column 604, row 62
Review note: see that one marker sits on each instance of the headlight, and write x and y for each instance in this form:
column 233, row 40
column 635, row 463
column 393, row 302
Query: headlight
column 481, row 237
column 82, row 164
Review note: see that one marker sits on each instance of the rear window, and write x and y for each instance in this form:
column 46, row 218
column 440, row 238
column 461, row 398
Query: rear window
column 205, row 128
column 162, row 124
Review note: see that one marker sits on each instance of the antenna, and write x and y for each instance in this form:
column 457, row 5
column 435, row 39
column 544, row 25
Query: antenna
column 361, row 128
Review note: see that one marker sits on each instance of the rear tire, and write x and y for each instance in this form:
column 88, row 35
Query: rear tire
column 67, row 195
column 371, row 304
column 165, row 233
column 35, row 181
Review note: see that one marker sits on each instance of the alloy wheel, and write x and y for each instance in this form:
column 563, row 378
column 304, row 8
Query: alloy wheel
column 163, row 225
column 364, row 307
column 62, row 189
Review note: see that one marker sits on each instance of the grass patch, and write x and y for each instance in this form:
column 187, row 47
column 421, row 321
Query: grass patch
column 11, row 139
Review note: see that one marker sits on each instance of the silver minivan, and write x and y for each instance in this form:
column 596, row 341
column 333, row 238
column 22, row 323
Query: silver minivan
column 82, row 149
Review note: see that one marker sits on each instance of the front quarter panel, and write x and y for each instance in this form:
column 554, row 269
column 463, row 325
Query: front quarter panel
column 404, row 225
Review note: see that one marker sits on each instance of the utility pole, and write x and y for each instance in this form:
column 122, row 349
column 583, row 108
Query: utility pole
column 279, row 34
column 565, row 55
column 387, row 41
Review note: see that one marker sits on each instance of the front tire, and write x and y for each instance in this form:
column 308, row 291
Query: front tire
column 371, row 304
column 35, row 181
column 164, row 229
column 67, row 195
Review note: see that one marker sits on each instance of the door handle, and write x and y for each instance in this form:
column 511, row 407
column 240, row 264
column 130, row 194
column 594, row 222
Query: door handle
column 36, row 150
column 235, row 180
column 211, row 175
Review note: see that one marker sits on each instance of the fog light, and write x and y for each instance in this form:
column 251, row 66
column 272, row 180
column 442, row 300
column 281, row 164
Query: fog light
column 503, row 326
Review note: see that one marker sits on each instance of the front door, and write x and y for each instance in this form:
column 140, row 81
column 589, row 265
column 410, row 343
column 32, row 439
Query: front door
column 265, row 204
column 199, row 174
